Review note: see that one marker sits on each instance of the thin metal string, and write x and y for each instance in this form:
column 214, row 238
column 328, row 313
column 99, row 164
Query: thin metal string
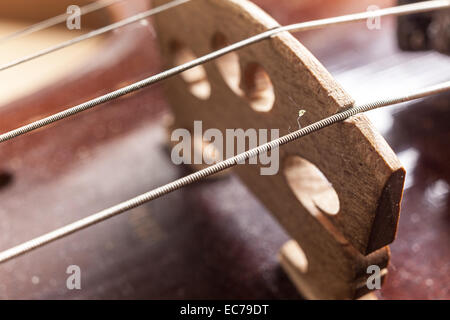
column 399, row 10
column 220, row 166
column 419, row 7
column 95, row 33
column 97, row 5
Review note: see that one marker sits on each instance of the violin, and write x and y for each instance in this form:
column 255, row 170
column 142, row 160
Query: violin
column 329, row 212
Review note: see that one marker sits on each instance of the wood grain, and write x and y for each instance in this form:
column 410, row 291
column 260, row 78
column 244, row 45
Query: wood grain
column 357, row 161
column 213, row 240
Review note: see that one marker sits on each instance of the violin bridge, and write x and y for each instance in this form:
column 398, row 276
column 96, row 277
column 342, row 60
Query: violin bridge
column 337, row 192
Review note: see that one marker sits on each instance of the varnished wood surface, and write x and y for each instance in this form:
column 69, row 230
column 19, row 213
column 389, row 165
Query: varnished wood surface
column 211, row 240
column 45, row 71
column 22, row 11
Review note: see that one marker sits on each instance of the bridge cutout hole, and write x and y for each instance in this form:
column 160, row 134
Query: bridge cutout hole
column 258, row 88
column 228, row 65
column 296, row 255
column 196, row 78
column 310, row 186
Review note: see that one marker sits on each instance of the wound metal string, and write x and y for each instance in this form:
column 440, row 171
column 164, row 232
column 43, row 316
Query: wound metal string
column 220, row 166
column 95, row 33
column 399, row 10
column 424, row 6
column 97, row 5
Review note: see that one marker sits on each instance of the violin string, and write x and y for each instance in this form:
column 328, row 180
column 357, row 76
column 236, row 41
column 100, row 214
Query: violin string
column 95, row 33
column 211, row 170
column 95, row 6
column 404, row 9
column 399, row 10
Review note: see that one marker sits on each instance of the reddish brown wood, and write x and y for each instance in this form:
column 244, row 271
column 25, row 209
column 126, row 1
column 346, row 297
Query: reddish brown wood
column 96, row 159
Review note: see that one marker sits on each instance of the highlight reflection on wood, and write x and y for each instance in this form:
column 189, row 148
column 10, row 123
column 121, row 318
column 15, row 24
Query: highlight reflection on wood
column 215, row 239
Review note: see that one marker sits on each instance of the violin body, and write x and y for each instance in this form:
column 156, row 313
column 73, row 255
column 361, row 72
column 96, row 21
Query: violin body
column 196, row 242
